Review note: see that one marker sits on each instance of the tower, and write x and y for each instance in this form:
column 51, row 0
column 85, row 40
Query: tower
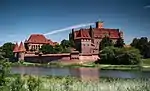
column 15, row 51
column 99, row 24
column 21, row 52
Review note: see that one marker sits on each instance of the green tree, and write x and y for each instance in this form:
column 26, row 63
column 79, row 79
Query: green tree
column 58, row 48
column 1, row 54
column 46, row 49
column 128, row 56
column 117, row 56
column 17, row 84
column 65, row 43
column 107, row 55
column 106, row 41
column 33, row 83
column 143, row 45
column 4, row 71
column 119, row 43
column 7, row 48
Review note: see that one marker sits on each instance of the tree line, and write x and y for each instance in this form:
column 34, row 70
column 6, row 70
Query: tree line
column 116, row 53
column 107, row 49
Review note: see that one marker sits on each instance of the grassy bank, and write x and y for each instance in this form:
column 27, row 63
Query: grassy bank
column 145, row 65
column 50, row 83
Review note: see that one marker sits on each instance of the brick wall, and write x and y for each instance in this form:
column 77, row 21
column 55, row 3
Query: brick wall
column 46, row 58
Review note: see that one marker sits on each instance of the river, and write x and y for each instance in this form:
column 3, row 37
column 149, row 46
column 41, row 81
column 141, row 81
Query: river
column 79, row 72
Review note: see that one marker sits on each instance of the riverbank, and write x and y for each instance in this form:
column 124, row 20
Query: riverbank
column 145, row 65
column 51, row 83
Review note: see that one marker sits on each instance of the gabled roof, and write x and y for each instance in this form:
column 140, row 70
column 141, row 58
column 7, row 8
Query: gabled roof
column 98, row 33
column 21, row 48
column 40, row 39
column 16, row 48
column 82, row 34
column 37, row 38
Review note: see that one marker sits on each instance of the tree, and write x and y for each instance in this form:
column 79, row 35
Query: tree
column 117, row 56
column 119, row 43
column 4, row 71
column 46, row 49
column 107, row 55
column 143, row 45
column 128, row 56
column 106, row 41
column 7, row 48
column 65, row 43
column 58, row 48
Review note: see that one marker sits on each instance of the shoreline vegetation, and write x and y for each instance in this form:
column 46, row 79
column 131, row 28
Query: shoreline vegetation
column 145, row 65
column 68, row 83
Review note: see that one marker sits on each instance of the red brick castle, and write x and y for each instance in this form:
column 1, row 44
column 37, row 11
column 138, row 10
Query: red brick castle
column 87, row 40
column 86, row 45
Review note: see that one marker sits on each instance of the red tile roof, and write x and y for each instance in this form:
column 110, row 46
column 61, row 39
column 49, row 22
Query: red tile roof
column 82, row 34
column 98, row 33
column 40, row 39
column 37, row 38
column 21, row 48
column 16, row 48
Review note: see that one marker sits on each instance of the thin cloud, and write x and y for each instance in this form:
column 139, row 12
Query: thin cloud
column 68, row 28
column 147, row 6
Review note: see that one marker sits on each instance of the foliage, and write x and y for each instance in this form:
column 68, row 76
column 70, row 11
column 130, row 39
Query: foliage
column 65, row 43
column 51, row 83
column 4, row 71
column 106, row 41
column 143, row 45
column 117, row 56
column 32, row 83
column 58, row 48
column 47, row 49
column 7, row 48
column 17, row 84
column 119, row 43
column 1, row 54
column 64, row 47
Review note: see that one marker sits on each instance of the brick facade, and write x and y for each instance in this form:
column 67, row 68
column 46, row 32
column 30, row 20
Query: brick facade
column 86, row 45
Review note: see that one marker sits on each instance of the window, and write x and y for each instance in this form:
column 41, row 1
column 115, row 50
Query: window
column 87, row 44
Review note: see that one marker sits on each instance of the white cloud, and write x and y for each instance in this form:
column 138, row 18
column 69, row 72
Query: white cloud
column 68, row 28
column 147, row 6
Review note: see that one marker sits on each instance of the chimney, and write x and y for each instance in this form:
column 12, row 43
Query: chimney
column 99, row 24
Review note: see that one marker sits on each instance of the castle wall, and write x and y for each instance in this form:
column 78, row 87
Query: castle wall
column 58, row 57
column 88, row 57
column 46, row 58
column 85, row 46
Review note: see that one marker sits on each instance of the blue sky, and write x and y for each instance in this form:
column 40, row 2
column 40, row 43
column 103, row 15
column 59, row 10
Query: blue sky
column 20, row 18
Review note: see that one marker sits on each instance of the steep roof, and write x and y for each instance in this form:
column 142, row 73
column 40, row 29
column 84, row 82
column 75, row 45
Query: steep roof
column 82, row 33
column 16, row 48
column 98, row 33
column 21, row 48
column 39, row 39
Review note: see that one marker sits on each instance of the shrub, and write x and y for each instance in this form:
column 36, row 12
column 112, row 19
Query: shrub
column 117, row 56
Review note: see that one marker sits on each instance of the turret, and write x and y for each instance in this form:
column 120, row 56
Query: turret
column 92, row 34
column 99, row 24
column 15, row 51
column 121, row 34
column 21, row 53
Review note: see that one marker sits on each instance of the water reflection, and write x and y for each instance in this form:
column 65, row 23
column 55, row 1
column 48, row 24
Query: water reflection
column 87, row 73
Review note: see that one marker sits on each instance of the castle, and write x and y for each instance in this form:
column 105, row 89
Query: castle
column 86, row 45
column 87, row 40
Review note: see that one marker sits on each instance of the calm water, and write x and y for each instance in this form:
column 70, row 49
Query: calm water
column 79, row 72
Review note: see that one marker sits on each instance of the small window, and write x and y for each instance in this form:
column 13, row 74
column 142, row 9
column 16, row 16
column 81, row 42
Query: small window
column 83, row 44
column 87, row 44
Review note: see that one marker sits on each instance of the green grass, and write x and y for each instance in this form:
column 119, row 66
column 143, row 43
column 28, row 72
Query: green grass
column 49, row 83
column 146, row 62
column 144, row 66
